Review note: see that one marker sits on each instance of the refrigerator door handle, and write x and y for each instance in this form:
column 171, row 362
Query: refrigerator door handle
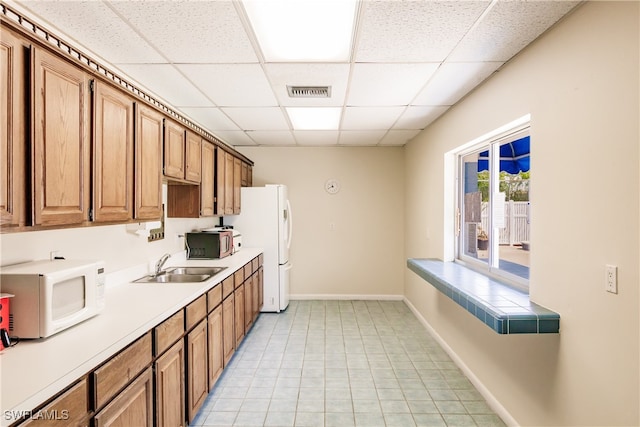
column 290, row 224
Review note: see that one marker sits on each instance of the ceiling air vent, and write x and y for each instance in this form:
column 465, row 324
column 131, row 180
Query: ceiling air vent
column 309, row 91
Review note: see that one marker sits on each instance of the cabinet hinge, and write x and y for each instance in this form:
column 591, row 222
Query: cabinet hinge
column 90, row 214
column 92, row 85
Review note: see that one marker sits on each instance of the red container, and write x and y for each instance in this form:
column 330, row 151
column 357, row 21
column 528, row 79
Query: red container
column 4, row 314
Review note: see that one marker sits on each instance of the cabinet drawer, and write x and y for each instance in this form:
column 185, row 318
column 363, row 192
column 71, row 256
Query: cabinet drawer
column 196, row 311
column 247, row 270
column 70, row 409
column 121, row 369
column 168, row 332
column 214, row 297
column 227, row 287
column 132, row 407
column 260, row 259
column 239, row 276
column 254, row 265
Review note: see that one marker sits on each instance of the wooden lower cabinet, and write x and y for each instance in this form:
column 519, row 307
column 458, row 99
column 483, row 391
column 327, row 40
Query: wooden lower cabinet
column 197, row 374
column 170, row 392
column 248, row 303
column 216, row 347
column 131, row 407
column 239, row 314
column 228, row 328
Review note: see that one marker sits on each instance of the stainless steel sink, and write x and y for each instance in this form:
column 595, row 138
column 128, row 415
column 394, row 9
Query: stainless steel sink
column 195, row 270
column 174, row 278
column 181, row 275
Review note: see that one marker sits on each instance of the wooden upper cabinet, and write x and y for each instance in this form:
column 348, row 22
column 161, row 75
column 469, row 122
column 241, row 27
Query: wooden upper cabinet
column 228, row 184
column 174, row 149
column 193, row 164
column 237, row 183
column 220, row 199
column 13, row 81
column 148, row 170
column 208, row 179
column 112, row 154
column 61, row 163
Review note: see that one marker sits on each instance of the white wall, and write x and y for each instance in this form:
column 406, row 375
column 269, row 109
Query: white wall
column 112, row 243
column 362, row 255
column 580, row 82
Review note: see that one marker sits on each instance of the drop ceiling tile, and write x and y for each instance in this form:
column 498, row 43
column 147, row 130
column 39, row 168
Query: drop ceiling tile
column 233, row 137
column 387, row 84
column 191, row 31
column 370, row 118
column 413, row 31
column 360, row 137
column 210, row 118
column 418, row 117
column 453, row 80
column 508, row 28
column 316, row 138
column 398, row 137
column 167, row 83
column 95, row 29
column 232, row 85
column 309, row 74
column 273, row 138
column 258, row 118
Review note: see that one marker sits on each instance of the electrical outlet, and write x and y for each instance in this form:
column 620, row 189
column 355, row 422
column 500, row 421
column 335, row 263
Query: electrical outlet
column 611, row 279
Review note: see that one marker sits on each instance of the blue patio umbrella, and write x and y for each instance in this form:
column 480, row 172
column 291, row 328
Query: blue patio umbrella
column 514, row 157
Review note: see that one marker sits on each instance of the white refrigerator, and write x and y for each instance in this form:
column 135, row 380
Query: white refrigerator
column 265, row 221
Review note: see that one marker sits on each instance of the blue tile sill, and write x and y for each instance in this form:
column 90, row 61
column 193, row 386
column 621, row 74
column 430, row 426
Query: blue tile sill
column 504, row 309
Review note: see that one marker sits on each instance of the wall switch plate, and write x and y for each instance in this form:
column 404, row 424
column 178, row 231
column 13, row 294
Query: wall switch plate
column 611, row 279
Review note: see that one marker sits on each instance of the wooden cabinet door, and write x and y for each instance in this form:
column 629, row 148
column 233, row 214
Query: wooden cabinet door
column 208, row 179
column 216, row 353
column 248, row 304
column 220, row 198
column 228, row 325
column 228, row 184
column 170, row 392
column 148, row 176
column 112, row 154
column 244, row 181
column 237, row 184
column 174, row 149
column 61, row 165
column 132, row 407
column 197, row 376
column 260, row 288
column 193, row 164
column 13, row 81
column 239, row 314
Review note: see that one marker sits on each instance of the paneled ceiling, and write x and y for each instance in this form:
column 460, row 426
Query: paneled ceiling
column 410, row 61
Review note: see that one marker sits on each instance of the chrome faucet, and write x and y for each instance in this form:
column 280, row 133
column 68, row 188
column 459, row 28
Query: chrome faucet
column 161, row 262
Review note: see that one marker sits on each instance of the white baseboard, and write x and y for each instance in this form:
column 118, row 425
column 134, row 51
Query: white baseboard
column 482, row 389
column 303, row 297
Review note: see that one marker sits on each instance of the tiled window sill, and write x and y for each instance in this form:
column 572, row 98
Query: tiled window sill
column 504, row 309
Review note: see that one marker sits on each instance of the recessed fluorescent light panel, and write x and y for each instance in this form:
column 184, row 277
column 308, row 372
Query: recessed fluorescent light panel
column 303, row 30
column 320, row 118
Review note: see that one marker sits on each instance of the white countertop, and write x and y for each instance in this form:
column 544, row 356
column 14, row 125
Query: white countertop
column 35, row 370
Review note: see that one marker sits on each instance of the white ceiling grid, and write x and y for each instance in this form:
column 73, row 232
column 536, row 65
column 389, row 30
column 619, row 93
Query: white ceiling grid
column 410, row 62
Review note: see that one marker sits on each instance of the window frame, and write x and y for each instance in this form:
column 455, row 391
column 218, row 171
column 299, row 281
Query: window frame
column 492, row 142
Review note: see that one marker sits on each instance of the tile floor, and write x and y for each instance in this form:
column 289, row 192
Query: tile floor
column 343, row 363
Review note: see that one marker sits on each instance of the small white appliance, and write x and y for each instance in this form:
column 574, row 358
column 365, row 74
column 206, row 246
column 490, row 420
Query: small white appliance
column 51, row 296
column 265, row 221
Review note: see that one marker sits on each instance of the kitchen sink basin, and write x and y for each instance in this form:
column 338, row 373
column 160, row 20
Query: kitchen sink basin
column 182, row 275
column 195, row 270
column 174, row 278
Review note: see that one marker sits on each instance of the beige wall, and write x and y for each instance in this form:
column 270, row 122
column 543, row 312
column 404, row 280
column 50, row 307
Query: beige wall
column 580, row 83
column 362, row 255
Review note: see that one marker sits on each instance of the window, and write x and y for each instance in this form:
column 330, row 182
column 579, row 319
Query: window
column 493, row 206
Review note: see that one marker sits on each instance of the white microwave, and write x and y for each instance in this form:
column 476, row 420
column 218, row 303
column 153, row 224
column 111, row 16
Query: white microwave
column 51, row 296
